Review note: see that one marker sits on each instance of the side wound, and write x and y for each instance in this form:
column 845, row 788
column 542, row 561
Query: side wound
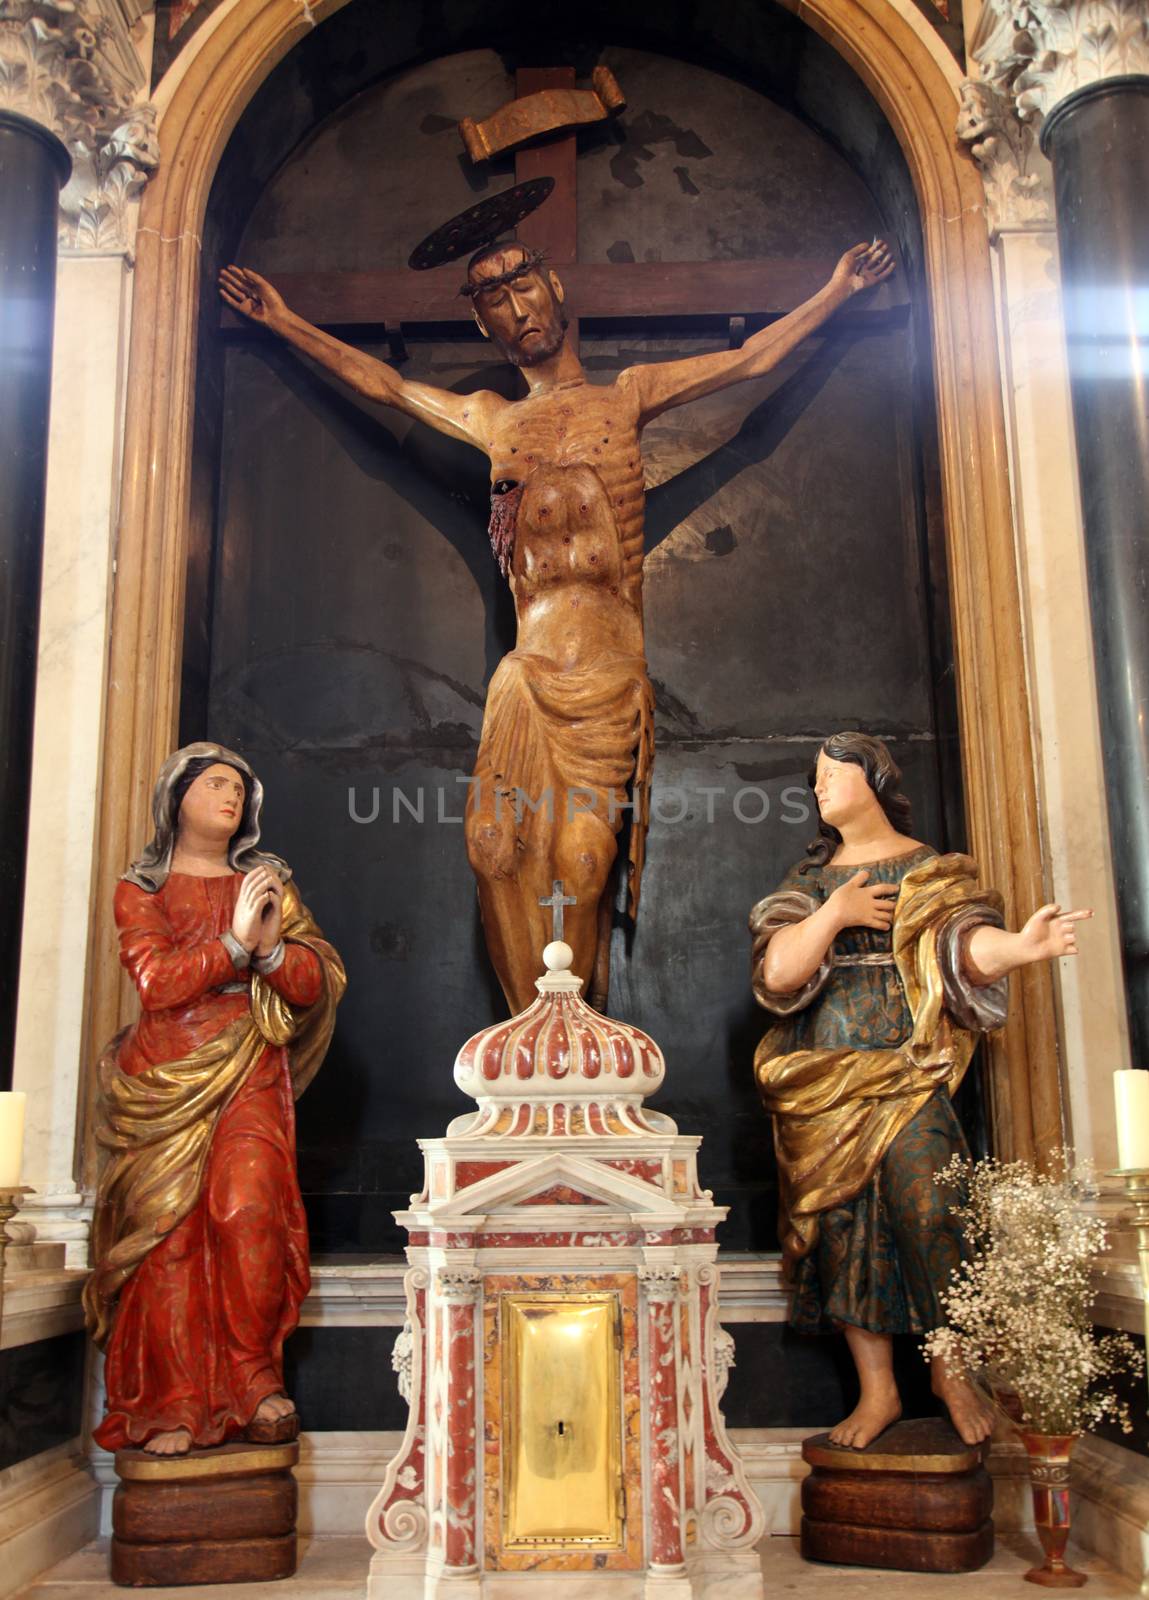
column 506, row 496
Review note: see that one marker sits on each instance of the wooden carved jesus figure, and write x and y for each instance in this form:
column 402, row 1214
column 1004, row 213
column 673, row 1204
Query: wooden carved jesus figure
column 567, row 742
column 200, row 1239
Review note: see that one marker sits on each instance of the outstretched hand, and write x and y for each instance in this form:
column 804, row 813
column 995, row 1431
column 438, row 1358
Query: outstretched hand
column 1050, row 933
column 864, row 266
column 246, row 292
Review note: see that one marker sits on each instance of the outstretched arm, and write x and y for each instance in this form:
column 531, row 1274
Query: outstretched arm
column 993, row 952
column 664, row 384
column 467, row 417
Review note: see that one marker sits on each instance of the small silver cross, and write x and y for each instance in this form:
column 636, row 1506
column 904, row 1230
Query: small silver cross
column 556, row 902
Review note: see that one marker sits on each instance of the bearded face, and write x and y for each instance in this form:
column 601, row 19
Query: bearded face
column 520, row 309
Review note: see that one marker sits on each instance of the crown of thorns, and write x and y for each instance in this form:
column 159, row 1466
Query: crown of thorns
column 532, row 260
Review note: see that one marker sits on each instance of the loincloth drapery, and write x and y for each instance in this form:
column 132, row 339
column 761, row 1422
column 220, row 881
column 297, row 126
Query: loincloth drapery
column 558, row 742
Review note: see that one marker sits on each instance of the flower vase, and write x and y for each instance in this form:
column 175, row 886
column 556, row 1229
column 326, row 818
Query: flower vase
column 1049, row 1480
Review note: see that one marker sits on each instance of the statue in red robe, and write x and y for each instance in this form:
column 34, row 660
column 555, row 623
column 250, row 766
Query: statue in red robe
column 200, row 1237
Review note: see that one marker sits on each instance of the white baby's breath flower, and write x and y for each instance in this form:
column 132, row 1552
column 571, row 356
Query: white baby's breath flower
column 1019, row 1309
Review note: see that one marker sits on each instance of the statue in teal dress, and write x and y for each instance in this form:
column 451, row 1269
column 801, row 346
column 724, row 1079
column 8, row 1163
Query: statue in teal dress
column 882, row 962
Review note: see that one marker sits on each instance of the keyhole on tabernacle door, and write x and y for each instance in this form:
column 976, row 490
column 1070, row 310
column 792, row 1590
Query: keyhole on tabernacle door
column 562, row 1429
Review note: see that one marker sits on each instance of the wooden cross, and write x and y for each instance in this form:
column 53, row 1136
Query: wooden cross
column 733, row 297
column 557, row 901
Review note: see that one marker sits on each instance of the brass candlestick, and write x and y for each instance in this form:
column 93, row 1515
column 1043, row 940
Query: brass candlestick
column 10, row 1202
column 1136, row 1181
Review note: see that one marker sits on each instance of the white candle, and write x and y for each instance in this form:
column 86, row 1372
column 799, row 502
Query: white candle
column 1131, row 1090
column 12, row 1103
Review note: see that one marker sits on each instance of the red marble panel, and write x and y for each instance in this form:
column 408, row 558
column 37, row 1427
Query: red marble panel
column 665, row 1484
column 553, row 1240
column 560, row 1194
column 470, row 1172
column 459, row 1548
column 689, row 1420
column 649, row 1171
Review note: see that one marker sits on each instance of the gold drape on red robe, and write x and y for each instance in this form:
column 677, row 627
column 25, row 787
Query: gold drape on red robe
column 157, row 1125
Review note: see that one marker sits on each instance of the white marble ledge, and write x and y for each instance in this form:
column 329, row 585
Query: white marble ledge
column 367, row 1291
column 1111, row 1505
column 1120, row 1296
column 49, row 1504
column 355, row 1292
column 335, row 1568
column 351, row 1291
column 40, row 1305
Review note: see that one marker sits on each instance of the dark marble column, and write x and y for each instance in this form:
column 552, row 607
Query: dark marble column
column 1097, row 139
column 33, row 166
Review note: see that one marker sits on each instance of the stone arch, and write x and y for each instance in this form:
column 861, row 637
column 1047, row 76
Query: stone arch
column 907, row 70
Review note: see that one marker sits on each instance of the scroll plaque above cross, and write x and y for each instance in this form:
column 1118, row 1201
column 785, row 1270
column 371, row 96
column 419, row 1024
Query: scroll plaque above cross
column 550, row 110
column 732, row 296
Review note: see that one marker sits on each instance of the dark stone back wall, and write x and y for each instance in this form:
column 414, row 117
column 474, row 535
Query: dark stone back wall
column 351, row 614
column 41, row 1396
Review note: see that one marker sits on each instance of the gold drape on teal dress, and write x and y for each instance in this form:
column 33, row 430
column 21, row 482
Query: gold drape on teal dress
column 858, row 1072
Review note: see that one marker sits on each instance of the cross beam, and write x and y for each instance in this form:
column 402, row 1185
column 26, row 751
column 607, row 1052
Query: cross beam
column 632, row 291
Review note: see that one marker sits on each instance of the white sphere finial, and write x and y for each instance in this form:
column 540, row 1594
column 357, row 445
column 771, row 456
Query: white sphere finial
column 558, row 956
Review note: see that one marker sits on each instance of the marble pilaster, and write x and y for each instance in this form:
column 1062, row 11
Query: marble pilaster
column 1051, row 558
column 1073, row 76
column 81, row 70
column 92, row 319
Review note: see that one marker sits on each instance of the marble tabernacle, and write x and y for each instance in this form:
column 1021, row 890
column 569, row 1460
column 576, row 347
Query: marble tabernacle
column 562, row 1357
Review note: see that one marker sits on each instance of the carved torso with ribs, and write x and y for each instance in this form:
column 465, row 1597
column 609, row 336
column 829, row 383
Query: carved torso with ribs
column 576, row 565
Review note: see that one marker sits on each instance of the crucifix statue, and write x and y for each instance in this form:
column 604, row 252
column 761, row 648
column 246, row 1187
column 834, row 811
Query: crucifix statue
column 568, row 734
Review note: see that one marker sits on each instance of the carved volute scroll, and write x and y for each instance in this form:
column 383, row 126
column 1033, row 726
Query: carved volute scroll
column 75, row 69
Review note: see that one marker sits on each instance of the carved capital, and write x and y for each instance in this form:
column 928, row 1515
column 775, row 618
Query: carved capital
column 1075, row 43
column 660, row 1283
column 1017, row 177
column 108, row 174
column 1041, row 51
column 72, row 66
column 459, row 1286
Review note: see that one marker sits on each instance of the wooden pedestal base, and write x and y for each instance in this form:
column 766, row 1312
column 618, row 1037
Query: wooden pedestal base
column 213, row 1516
column 915, row 1500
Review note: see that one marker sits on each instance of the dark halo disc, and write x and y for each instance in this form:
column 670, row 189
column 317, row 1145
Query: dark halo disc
column 480, row 225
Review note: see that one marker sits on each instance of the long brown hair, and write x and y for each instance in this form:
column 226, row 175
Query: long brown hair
column 883, row 776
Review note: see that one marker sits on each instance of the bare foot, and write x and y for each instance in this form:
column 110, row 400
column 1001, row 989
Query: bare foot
column 175, row 1443
column 969, row 1411
column 273, row 1408
column 877, row 1410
